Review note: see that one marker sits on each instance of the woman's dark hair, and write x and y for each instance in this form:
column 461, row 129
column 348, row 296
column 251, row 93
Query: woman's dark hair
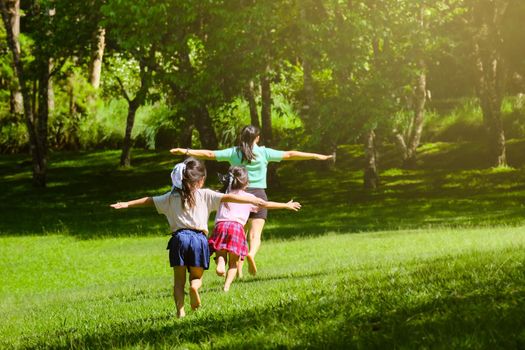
column 248, row 135
column 236, row 179
column 194, row 172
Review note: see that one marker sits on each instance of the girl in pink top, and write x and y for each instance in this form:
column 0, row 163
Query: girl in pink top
column 229, row 240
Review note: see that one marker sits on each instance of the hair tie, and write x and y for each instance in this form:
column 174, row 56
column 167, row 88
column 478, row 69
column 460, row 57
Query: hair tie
column 177, row 175
column 230, row 182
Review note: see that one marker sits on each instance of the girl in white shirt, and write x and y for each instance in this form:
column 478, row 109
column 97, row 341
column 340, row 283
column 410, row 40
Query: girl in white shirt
column 187, row 208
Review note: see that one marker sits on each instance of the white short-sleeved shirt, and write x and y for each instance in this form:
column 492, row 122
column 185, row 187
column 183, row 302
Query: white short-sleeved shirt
column 237, row 212
column 195, row 218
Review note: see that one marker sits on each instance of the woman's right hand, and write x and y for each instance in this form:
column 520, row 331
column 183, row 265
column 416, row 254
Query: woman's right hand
column 324, row 157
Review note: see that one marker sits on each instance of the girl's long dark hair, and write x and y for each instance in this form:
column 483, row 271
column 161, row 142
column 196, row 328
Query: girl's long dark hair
column 248, row 135
column 237, row 176
column 194, row 172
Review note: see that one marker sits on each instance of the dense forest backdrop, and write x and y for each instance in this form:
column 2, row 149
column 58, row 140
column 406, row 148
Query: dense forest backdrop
column 312, row 74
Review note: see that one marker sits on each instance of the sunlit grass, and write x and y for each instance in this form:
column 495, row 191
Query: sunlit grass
column 440, row 263
column 422, row 288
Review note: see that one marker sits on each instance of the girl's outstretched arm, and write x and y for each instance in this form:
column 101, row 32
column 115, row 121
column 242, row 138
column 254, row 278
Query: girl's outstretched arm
column 296, row 155
column 236, row 198
column 291, row 205
column 197, row 153
column 142, row 202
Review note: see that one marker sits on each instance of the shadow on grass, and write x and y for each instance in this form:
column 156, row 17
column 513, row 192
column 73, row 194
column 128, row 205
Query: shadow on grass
column 451, row 187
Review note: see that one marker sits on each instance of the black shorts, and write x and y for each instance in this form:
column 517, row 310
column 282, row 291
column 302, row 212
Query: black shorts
column 259, row 193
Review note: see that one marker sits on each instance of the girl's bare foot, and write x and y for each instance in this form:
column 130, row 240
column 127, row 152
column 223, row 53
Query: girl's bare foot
column 181, row 313
column 221, row 266
column 195, row 299
column 252, row 267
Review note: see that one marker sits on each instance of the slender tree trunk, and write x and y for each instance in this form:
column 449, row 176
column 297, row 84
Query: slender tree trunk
column 16, row 103
column 204, row 125
column 399, row 140
column 35, row 128
column 490, row 75
column 266, row 109
column 418, row 120
column 490, row 101
column 186, row 133
column 250, row 97
column 40, row 169
column 125, row 156
column 371, row 177
column 133, row 106
column 50, row 91
column 97, row 53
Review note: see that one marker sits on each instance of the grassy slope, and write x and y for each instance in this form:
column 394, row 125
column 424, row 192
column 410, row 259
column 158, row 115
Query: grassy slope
column 433, row 287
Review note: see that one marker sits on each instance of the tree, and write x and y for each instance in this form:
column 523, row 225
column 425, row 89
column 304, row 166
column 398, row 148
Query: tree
column 486, row 21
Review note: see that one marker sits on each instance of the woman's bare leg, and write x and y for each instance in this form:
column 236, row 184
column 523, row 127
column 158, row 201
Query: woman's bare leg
column 256, row 228
column 195, row 284
column 232, row 270
column 221, row 262
column 179, row 281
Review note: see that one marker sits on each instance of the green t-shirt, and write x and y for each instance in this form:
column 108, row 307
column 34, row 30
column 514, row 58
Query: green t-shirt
column 256, row 168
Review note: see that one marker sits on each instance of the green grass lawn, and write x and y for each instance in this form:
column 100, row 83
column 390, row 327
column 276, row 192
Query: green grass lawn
column 432, row 259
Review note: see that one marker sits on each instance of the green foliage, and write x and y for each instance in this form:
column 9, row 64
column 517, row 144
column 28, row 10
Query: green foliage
column 462, row 120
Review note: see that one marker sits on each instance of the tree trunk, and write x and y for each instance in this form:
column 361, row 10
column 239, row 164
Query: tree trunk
column 36, row 144
column 97, row 53
column 490, row 75
column 16, row 103
column 133, row 106
column 40, row 168
column 50, row 91
column 125, row 156
column 250, row 97
column 371, row 177
column 419, row 116
column 204, row 125
column 266, row 109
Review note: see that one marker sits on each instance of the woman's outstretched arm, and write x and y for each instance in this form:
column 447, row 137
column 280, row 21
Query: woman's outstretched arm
column 142, row 202
column 296, row 155
column 197, row 153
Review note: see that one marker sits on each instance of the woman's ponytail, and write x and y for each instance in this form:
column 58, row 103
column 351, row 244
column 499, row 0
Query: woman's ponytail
column 248, row 135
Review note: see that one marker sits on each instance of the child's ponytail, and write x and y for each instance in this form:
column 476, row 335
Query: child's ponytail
column 185, row 177
column 235, row 179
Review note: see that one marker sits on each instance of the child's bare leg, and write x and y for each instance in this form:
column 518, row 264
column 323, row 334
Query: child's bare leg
column 221, row 262
column 240, row 264
column 195, row 284
column 256, row 228
column 179, row 277
column 232, row 270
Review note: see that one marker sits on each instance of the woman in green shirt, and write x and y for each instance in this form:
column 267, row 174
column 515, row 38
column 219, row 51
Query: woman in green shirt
column 255, row 158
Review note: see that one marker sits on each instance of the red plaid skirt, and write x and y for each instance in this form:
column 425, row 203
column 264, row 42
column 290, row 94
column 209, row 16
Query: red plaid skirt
column 229, row 236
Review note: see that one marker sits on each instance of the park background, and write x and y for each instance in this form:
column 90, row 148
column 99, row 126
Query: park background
column 412, row 238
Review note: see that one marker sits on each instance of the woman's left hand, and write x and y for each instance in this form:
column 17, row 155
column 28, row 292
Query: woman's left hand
column 295, row 206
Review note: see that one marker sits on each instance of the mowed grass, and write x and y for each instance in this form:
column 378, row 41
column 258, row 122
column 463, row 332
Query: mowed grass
column 443, row 288
column 432, row 259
